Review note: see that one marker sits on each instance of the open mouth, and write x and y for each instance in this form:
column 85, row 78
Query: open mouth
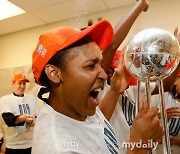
column 94, row 93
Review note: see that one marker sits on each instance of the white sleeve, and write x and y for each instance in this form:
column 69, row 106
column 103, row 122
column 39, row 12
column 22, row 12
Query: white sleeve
column 132, row 91
column 4, row 106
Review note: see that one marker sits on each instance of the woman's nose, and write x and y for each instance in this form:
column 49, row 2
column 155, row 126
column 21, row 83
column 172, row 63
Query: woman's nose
column 102, row 74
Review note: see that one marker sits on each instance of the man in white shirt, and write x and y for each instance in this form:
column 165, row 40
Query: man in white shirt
column 18, row 112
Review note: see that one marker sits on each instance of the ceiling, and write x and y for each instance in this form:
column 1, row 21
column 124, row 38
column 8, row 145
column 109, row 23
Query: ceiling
column 42, row 12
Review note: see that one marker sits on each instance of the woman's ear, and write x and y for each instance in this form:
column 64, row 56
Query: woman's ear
column 53, row 73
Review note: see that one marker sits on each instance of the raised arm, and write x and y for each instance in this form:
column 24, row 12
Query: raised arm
column 121, row 30
column 119, row 83
column 177, row 34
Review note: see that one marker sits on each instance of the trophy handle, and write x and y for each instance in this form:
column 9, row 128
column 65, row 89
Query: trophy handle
column 137, row 104
column 165, row 139
column 148, row 92
column 147, row 96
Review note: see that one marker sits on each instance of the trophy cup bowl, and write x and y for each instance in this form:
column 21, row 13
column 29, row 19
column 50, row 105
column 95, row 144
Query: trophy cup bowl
column 152, row 53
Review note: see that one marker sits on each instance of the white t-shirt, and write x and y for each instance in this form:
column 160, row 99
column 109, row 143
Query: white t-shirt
column 18, row 137
column 175, row 148
column 132, row 91
column 55, row 133
column 118, row 122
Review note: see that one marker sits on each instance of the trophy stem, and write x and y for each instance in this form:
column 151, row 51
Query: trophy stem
column 166, row 141
column 148, row 92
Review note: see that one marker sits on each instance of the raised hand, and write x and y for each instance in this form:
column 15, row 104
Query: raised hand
column 145, row 4
column 177, row 34
column 146, row 125
column 121, row 77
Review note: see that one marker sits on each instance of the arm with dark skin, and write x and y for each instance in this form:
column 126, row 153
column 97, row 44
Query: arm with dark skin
column 121, row 30
column 118, row 84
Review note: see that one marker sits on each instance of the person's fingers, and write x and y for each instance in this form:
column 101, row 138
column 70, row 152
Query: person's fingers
column 142, row 110
column 159, row 140
column 172, row 108
column 158, row 132
column 127, row 74
column 159, row 136
column 176, row 31
column 121, row 68
column 174, row 115
column 159, row 115
column 153, row 112
column 173, row 112
column 117, row 73
column 121, row 58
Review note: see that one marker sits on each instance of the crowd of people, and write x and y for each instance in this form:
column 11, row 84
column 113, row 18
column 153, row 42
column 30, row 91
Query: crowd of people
column 91, row 100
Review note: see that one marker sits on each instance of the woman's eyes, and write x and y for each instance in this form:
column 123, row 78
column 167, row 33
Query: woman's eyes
column 90, row 66
column 94, row 65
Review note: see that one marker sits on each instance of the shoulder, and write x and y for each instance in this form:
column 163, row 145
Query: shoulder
column 99, row 115
column 98, row 112
column 30, row 98
column 50, row 131
column 45, row 118
column 43, row 124
column 6, row 97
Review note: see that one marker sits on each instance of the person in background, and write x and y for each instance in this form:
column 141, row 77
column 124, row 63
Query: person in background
column 69, row 63
column 18, row 111
column 173, row 114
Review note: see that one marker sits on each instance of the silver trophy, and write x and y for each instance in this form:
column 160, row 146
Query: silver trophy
column 150, row 56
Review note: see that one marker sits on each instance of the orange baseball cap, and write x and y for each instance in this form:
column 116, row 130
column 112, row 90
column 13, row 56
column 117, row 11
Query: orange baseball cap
column 57, row 39
column 19, row 77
